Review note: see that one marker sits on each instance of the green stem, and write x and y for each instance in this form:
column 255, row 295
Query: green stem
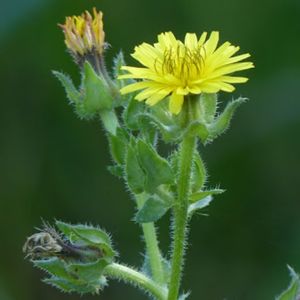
column 127, row 274
column 152, row 247
column 181, row 214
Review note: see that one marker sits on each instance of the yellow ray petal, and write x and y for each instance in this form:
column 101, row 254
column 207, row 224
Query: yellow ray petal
column 231, row 68
column 134, row 87
column 226, row 87
column 209, row 87
column 146, row 55
column 175, row 103
column 233, row 79
column 167, row 40
column 195, row 90
column 238, row 58
column 190, row 41
column 157, row 97
column 202, row 39
column 147, row 93
column 212, row 42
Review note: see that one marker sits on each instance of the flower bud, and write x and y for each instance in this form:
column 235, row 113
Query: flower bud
column 74, row 257
column 84, row 38
column 49, row 243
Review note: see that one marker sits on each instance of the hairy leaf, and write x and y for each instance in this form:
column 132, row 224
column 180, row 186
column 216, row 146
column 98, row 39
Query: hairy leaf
column 199, row 205
column 203, row 194
column 293, row 291
column 72, row 93
column 222, row 122
column 152, row 210
column 156, row 168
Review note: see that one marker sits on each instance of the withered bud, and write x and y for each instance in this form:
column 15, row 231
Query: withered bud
column 49, row 243
column 84, row 37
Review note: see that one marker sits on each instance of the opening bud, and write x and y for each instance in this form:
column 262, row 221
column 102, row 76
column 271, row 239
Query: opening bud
column 84, row 37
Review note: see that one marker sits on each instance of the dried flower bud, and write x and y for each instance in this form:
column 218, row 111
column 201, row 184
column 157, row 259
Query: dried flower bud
column 84, row 33
column 40, row 245
column 49, row 243
column 74, row 256
column 84, row 37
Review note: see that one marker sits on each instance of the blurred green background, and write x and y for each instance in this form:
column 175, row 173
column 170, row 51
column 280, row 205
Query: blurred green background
column 54, row 166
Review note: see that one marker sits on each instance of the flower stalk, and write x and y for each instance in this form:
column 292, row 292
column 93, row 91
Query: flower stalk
column 136, row 278
column 180, row 211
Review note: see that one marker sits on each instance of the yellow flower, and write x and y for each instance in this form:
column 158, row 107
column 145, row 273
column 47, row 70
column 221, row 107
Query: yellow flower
column 84, row 34
column 176, row 69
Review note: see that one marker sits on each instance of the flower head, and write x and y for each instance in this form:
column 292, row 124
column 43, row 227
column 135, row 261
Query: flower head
column 174, row 68
column 84, row 34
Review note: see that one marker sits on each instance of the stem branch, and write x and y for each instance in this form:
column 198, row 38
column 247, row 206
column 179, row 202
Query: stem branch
column 152, row 247
column 127, row 274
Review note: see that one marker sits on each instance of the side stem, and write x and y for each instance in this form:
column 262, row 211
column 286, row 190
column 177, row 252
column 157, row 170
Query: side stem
column 127, row 274
column 152, row 247
column 181, row 214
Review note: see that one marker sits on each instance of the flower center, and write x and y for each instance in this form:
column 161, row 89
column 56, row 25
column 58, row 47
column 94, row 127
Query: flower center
column 184, row 63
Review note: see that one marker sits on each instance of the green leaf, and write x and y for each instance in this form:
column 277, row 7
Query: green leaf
column 134, row 174
column 118, row 62
column 76, row 232
column 293, row 291
column 132, row 114
column 167, row 124
column 145, row 168
column 169, row 132
column 91, row 236
column 184, row 296
column 109, row 120
column 199, row 205
column 152, row 210
column 222, row 122
column 118, row 145
column 77, row 277
column 208, row 104
column 78, row 287
column 203, row 194
column 88, row 272
column 162, row 113
column 116, row 170
column 97, row 94
column 198, row 173
column 198, row 129
column 54, row 266
column 156, row 168
column 73, row 94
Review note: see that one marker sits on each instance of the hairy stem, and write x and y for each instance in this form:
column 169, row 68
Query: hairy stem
column 187, row 149
column 152, row 247
column 127, row 274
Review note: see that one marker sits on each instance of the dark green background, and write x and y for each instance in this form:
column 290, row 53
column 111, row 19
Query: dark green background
column 53, row 165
